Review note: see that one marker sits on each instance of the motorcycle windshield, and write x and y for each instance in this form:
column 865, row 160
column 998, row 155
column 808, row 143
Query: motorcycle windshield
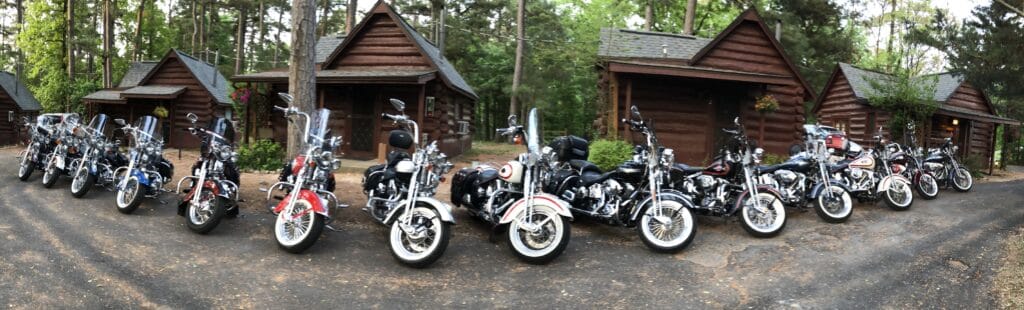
column 99, row 123
column 318, row 126
column 150, row 126
column 533, row 132
column 47, row 120
column 222, row 127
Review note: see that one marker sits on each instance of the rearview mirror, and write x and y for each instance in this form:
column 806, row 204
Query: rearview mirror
column 512, row 120
column 736, row 121
column 119, row 121
column 635, row 111
column 286, row 97
column 398, row 104
column 192, row 117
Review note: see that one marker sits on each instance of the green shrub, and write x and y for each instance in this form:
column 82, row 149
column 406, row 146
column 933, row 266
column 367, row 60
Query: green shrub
column 608, row 154
column 264, row 155
column 976, row 165
column 773, row 159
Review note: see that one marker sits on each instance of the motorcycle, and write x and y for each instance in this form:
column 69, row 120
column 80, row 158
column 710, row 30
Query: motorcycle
column 64, row 153
column 537, row 224
column 309, row 182
column 872, row 175
column 147, row 170
column 400, row 194
column 728, row 186
column 924, row 181
column 213, row 193
column 100, row 158
column 805, row 178
column 632, row 195
column 948, row 171
column 42, row 141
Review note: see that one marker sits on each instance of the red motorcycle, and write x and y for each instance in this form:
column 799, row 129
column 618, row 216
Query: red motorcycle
column 309, row 182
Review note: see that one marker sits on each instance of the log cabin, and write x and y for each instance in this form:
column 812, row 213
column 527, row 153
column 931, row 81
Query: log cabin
column 382, row 57
column 693, row 87
column 16, row 101
column 180, row 83
column 964, row 112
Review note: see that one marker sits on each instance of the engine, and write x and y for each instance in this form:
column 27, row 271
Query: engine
column 937, row 169
column 790, row 184
column 861, row 179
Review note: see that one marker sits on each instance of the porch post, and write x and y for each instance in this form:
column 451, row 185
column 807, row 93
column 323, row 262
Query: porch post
column 629, row 102
column 992, row 149
column 421, row 104
column 613, row 126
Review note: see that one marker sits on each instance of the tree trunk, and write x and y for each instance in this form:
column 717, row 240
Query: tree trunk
column 20, row 8
column 648, row 15
column 892, row 34
column 350, row 15
column 691, row 11
column 240, row 40
column 202, row 28
column 301, row 77
column 262, row 28
column 70, row 45
column 211, row 27
column 108, row 42
column 517, row 73
column 324, row 13
column 138, row 31
column 277, row 43
column 195, row 25
column 442, row 12
column 91, row 61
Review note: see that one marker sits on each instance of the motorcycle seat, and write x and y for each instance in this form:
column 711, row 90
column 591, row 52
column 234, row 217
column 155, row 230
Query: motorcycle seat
column 396, row 156
column 836, row 167
column 687, row 169
column 584, row 166
column 590, row 177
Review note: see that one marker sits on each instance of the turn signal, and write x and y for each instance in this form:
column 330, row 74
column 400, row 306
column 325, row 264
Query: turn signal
column 518, row 140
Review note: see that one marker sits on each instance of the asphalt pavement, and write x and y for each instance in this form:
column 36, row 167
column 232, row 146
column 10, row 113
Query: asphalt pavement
column 62, row 252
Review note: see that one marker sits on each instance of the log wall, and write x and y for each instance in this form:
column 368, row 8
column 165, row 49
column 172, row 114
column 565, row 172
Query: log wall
column 11, row 129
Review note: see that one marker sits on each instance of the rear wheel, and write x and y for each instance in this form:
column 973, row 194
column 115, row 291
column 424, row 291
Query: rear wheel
column 297, row 230
column 26, row 167
column 670, row 232
column 423, row 241
column 129, row 198
column 927, row 186
column 899, row 196
column 763, row 224
column 834, row 205
column 82, row 182
column 204, row 216
column 962, row 180
column 542, row 239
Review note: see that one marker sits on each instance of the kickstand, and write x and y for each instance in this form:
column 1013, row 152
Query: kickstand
column 332, row 228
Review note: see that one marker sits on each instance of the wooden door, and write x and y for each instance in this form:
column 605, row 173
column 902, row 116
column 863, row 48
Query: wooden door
column 363, row 120
column 725, row 109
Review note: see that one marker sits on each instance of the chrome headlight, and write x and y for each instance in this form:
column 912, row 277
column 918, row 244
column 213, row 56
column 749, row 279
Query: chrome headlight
column 668, row 156
column 225, row 153
column 955, row 148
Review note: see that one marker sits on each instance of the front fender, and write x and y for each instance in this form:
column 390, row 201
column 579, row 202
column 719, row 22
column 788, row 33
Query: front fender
column 551, row 201
column 668, row 194
column 819, row 187
column 886, row 182
column 443, row 209
column 307, row 195
column 138, row 174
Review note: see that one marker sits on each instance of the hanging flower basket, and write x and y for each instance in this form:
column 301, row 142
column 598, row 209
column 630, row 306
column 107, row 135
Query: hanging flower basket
column 766, row 104
column 160, row 112
column 241, row 95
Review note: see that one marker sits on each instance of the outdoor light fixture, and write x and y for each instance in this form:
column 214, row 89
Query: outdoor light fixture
column 10, row 116
column 430, row 105
column 956, row 122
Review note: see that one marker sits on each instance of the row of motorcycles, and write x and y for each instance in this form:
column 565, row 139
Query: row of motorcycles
column 531, row 199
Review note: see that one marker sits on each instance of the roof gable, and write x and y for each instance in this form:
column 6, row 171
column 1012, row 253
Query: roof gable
column 385, row 39
column 749, row 28
column 208, row 76
column 18, row 92
column 623, row 43
column 136, row 72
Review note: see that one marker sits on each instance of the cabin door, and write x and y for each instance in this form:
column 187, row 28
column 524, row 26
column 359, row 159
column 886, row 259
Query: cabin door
column 364, row 123
column 726, row 108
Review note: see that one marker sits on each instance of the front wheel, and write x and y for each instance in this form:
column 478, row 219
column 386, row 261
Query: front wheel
column 204, row 216
column 50, row 174
column 423, row 239
column 669, row 232
column 927, row 187
column 540, row 240
column 297, row 230
column 26, row 167
column 130, row 196
column 763, row 224
column 899, row 196
column 82, row 182
column 962, row 180
column 835, row 205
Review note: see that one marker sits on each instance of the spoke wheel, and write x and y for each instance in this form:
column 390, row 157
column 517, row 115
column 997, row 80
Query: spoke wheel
column 425, row 241
column 927, row 186
column 962, row 180
column 82, row 182
column 129, row 197
column 298, row 229
column 766, row 224
column 672, row 235
column 899, row 196
column 25, row 168
column 204, row 216
column 50, row 174
column 834, row 208
column 543, row 244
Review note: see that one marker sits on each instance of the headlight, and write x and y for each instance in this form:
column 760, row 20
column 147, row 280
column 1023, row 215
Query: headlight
column 668, row 156
column 225, row 153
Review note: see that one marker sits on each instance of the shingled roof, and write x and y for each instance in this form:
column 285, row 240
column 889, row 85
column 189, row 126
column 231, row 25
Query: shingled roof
column 208, row 76
column 326, row 45
column 139, row 72
column 623, row 43
column 18, row 92
column 136, row 72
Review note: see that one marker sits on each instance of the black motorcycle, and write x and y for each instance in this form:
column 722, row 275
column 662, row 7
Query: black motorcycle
column 948, row 171
column 213, row 193
column 400, row 194
column 147, row 170
column 728, row 186
column 42, row 141
column 59, row 163
column 805, row 178
column 632, row 195
column 924, row 181
column 100, row 158
column 537, row 223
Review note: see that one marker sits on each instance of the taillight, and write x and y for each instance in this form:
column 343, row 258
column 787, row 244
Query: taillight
column 518, row 140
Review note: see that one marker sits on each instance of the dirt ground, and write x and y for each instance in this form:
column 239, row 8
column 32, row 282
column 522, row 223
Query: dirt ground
column 1009, row 283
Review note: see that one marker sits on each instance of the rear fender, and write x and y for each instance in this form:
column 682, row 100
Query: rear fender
column 443, row 209
column 666, row 194
column 886, row 182
column 551, row 201
column 307, row 195
column 820, row 187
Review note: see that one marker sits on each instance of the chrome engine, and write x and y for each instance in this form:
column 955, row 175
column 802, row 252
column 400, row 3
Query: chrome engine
column 860, row 179
column 790, row 184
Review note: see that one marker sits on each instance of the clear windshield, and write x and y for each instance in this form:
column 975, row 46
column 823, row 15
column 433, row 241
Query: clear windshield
column 222, row 127
column 149, row 125
column 533, row 132
column 99, row 123
column 318, row 123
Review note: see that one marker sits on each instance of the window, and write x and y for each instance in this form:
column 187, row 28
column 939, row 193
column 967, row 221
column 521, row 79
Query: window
column 842, row 125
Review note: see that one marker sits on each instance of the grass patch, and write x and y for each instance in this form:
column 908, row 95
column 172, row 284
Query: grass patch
column 1009, row 284
column 491, row 149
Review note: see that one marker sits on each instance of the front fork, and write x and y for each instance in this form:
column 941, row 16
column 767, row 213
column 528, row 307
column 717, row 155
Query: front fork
column 199, row 183
column 753, row 191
